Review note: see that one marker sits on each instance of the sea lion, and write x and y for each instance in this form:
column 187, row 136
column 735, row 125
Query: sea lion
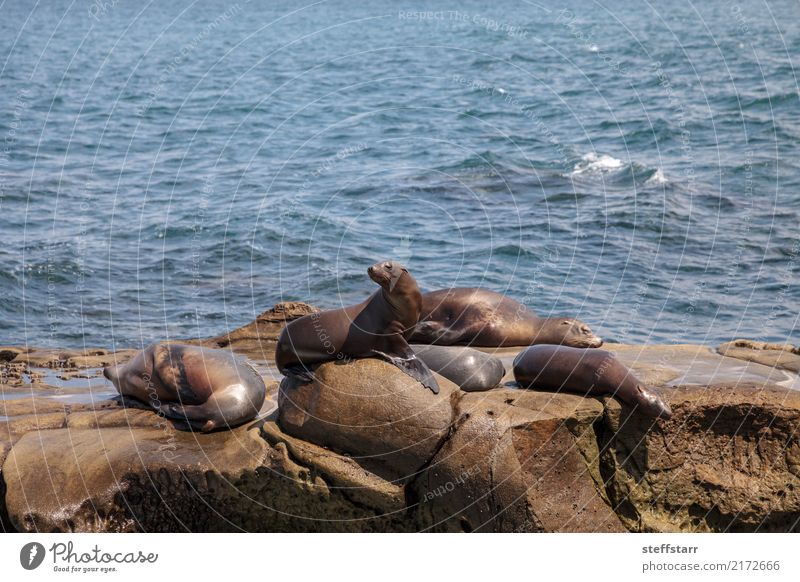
column 208, row 388
column 377, row 327
column 586, row 372
column 482, row 318
column 471, row 370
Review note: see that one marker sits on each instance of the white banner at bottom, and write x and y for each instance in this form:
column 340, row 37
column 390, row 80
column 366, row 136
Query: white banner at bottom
column 379, row 557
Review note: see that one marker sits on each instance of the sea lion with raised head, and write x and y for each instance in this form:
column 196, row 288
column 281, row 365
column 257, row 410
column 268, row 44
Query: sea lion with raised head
column 207, row 388
column 471, row 370
column 482, row 318
column 377, row 327
column 585, row 372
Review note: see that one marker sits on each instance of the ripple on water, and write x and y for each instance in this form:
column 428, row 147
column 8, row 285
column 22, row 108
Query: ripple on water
column 473, row 159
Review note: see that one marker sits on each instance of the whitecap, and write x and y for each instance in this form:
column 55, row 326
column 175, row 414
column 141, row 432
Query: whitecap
column 658, row 177
column 594, row 49
column 591, row 162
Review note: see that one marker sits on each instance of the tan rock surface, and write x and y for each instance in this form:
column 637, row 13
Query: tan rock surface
column 781, row 356
column 509, row 468
column 257, row 339
column 115, row 479
column 371, row 410
column 725, row 461
column 503, row 460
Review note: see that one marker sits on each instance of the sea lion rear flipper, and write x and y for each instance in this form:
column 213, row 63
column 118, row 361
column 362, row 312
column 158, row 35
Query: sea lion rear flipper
column 402, row 356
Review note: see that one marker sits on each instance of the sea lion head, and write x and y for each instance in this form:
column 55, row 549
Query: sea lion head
column 112, row 373
column 387, row 274
column 119, row 377
column 574, row 333
column 651, row 404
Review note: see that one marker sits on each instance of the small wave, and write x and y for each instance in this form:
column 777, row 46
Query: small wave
column 566, row 197
column 657, row 178
column 593, row 163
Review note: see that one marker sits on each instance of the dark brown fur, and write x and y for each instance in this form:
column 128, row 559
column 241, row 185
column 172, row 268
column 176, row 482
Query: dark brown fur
column 376, row 327
column 585, row 372
column 482, row 318
column 208, row 388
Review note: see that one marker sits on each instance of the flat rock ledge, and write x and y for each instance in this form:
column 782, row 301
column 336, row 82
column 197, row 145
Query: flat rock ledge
column 365, row 448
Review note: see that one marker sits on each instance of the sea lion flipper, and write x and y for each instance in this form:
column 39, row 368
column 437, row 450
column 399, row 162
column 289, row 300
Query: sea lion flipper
column 299, row 372
column 405, row 359
column 417, row 369
column 196, row 416
column 435, row 333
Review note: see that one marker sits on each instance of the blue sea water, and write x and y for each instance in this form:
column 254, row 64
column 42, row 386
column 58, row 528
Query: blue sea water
column 172, row 169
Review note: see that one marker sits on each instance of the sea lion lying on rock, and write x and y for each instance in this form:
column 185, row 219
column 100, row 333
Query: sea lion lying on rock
column 377, row 327
column 208, row 388
column 471, row 370
column 586, row 372
column 482, row 318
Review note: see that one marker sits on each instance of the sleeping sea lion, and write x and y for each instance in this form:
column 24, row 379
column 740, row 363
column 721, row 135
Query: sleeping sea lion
column 482, row 318
column 586, row 372
column 377, row 327
column 472, row 370
column 208, row 388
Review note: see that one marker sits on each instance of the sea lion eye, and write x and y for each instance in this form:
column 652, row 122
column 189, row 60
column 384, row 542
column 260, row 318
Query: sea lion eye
column 566, row 322
column 387, row 266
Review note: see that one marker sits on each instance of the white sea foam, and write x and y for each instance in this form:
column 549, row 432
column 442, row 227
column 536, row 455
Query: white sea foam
column 658, row 177
column 592, row 162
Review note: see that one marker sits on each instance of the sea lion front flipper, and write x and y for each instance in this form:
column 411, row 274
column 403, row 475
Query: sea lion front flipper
column 402, row 356
column 298, row 372
column 435, row 333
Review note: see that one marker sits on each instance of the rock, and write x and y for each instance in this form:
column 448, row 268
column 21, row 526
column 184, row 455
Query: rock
column 399, row 458
column 158, row 479
column 7, row 354
column 372, row 411
column 783, row 356
column 257, row 339
column 19, row 425
column 725, row 461
column 30, row 404
column 126, row 416
column 506, row 468
column 115, row 479
column 71, row 359
column 5, row 522
column 340, row 473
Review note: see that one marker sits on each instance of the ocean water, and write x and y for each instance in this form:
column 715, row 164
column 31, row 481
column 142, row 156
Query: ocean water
column 172, row 169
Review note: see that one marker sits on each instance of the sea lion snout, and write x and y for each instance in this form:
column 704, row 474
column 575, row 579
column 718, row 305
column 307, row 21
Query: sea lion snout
column 110, row 372
column 595, row 341
column 592, row 340
column 576, row 334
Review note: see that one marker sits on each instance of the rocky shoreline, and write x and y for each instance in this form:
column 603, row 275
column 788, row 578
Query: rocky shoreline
column 364, row 448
